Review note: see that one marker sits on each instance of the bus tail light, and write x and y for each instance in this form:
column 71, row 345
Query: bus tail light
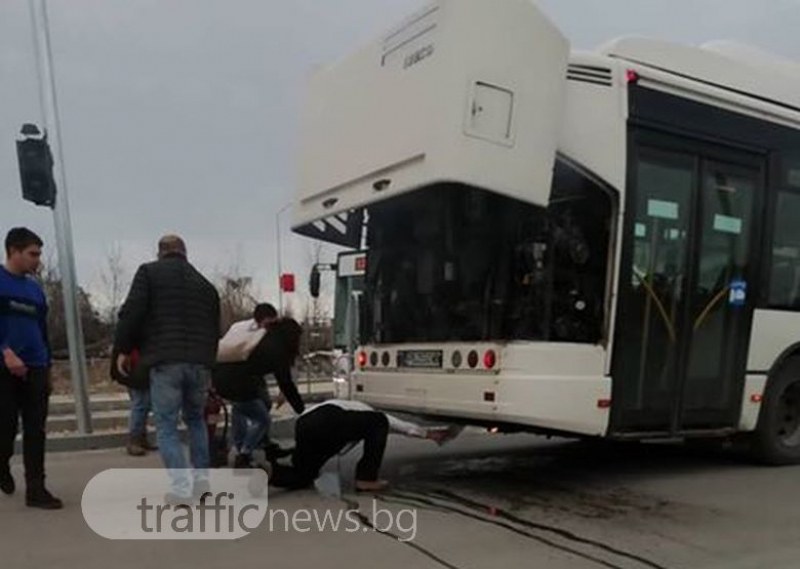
column 362, row 359
column 604, row 403
column 757, row 398
column 472, row 359
column 489, row 359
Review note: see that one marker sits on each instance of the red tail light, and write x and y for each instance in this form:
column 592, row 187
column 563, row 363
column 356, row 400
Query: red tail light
column 489, row 359
column 362, row 359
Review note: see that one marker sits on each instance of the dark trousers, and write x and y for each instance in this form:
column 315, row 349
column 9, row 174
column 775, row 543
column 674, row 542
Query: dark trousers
column 27, row 397
column 322, row 433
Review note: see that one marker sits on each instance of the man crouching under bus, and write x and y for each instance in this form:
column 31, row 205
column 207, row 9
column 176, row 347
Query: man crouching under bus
column 324, row 430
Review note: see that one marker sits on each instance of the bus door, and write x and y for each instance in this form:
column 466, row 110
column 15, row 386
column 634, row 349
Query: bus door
column 688, row 284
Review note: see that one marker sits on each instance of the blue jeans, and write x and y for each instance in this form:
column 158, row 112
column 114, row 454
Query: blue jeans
column 140, row 408
column 181, row 388
column 250, row 424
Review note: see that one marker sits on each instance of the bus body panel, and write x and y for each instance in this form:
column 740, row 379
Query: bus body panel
column 774, row 332
column 751, row 402
column 442, row 97
column 546, row 386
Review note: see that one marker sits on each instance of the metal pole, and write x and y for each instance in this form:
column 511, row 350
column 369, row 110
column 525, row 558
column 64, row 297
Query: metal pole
column 63, row 226
column 278, row 245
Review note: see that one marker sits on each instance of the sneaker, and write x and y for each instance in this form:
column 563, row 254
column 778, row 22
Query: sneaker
column 177, row 501
column 7, row 481
column 243, row 460
column 135, row 447
column 42, row 499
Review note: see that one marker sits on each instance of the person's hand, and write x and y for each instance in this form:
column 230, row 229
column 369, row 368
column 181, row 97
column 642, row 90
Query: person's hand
column 13, row 364
column 124, row 364
column 442, row 435
column 280, row 399
column 439, row 436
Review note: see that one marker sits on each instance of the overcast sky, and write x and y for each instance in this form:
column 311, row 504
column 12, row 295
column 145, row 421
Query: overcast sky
column 181, row 115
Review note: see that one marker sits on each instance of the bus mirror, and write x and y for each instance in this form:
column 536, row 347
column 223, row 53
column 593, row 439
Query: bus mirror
column 314, row 282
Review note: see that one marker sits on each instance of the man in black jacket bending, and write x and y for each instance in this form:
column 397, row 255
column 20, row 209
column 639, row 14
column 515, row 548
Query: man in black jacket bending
column 245, row 385
column 172, row 315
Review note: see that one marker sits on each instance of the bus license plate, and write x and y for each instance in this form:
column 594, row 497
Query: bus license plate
column 420, row 358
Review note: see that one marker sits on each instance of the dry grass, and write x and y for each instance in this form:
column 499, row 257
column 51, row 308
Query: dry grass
column 99, row 380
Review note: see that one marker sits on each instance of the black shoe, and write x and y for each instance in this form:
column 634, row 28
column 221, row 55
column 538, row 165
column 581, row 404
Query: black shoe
column 41, row 498
column 7, row 481
column 243, row 460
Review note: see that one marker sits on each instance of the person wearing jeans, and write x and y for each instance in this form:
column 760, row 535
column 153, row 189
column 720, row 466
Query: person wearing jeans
column 137, row 424
column 138, row 384
column 181, row 389
column 172, row 315
column 251, row 422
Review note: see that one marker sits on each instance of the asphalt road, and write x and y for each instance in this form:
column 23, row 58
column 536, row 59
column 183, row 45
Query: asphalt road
column 483, row 501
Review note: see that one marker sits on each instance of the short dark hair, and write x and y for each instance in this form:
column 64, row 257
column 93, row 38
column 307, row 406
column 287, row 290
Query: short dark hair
column 264, row 310
column 20, row 238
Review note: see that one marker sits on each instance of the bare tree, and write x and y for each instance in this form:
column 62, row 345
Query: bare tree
column 235, row 293
column 114, row 279
column 96, row 332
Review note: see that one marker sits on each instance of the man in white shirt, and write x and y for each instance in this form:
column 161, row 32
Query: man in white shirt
column 322, row 431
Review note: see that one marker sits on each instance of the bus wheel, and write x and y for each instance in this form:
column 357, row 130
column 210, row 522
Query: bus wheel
column 777, row 438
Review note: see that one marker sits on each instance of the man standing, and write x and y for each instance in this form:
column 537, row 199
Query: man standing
column 172, row 316
column 25, row 366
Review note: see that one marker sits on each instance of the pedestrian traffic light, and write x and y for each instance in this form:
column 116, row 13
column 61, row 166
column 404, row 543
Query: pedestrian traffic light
column 36, row 167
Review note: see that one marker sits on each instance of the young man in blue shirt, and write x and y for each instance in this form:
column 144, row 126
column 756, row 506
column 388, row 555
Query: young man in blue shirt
column 24, row 366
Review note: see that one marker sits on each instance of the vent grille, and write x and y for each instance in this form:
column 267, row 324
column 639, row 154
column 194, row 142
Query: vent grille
column 591, row 74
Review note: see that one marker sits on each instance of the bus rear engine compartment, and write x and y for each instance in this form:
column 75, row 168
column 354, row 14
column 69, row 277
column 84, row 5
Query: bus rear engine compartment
column 455, row 263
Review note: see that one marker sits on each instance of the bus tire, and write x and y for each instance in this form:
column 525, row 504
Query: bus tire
column 776, row 440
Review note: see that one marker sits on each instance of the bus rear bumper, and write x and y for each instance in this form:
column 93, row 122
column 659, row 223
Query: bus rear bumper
column 579, row 405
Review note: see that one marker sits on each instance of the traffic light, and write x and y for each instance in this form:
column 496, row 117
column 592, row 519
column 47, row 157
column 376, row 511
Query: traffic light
column 36, row 167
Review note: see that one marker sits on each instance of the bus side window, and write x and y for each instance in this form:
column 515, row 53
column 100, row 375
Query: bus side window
column 784, row 289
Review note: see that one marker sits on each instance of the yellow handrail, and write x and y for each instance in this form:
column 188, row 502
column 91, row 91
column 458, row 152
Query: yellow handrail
column 659, row 305
column 710, row 306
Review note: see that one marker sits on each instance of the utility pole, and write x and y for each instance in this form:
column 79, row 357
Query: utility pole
column 63, row 226
column 279, row 255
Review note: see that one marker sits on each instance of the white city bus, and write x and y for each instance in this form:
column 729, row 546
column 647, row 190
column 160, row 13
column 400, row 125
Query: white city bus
column 594, row 244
